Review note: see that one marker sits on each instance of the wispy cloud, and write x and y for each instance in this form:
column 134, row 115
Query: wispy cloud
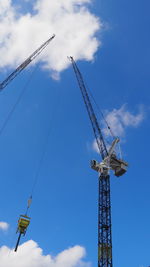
column 30, row 254
column 119, row 120
column 4, row 226
column 71, row 20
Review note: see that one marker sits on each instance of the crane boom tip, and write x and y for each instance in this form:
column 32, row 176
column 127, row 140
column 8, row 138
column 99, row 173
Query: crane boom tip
column 52, row 37
column 70, row 58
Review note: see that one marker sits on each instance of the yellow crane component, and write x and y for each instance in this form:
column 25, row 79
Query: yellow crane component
column 23, row 223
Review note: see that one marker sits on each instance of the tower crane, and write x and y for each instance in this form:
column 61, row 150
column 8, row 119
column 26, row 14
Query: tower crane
column 25, row 63
column 109, row 162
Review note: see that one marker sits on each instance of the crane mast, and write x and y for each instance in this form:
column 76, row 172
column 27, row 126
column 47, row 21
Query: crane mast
column 25, row 63
column 109, row 162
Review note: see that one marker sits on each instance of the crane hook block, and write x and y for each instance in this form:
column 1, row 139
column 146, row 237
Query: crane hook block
column 29, row 202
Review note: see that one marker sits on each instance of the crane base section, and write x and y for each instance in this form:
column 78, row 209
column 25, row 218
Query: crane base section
column 104, row 223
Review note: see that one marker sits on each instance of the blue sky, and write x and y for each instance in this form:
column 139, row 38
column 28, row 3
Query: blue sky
column 64, row 208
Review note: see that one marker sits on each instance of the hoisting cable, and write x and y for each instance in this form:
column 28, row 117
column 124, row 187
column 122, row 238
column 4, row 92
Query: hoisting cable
column 24, row 220
column 18, row 100
column 40, row 163
column 5, row 124
column 100, row 111
column 106, row 122
column 108, row 126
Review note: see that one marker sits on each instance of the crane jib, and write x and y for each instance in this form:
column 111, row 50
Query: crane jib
column 25, row 63
column 95, row 125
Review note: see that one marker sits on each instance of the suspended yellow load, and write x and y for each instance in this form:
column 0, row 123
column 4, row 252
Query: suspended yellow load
column 23, row 224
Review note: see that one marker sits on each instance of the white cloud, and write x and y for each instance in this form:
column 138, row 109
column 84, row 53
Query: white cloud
column 4, row 226
column 120, row 119
column 71, row 20
column 30, row 255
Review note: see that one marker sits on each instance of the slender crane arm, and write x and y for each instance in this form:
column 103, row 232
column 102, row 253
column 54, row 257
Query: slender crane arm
column 25, row 63
column 97, row 131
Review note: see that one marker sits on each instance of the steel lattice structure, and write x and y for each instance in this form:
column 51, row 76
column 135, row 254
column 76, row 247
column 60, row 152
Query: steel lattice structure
column 109, row 162
column 25, row 63
column 104, row 223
